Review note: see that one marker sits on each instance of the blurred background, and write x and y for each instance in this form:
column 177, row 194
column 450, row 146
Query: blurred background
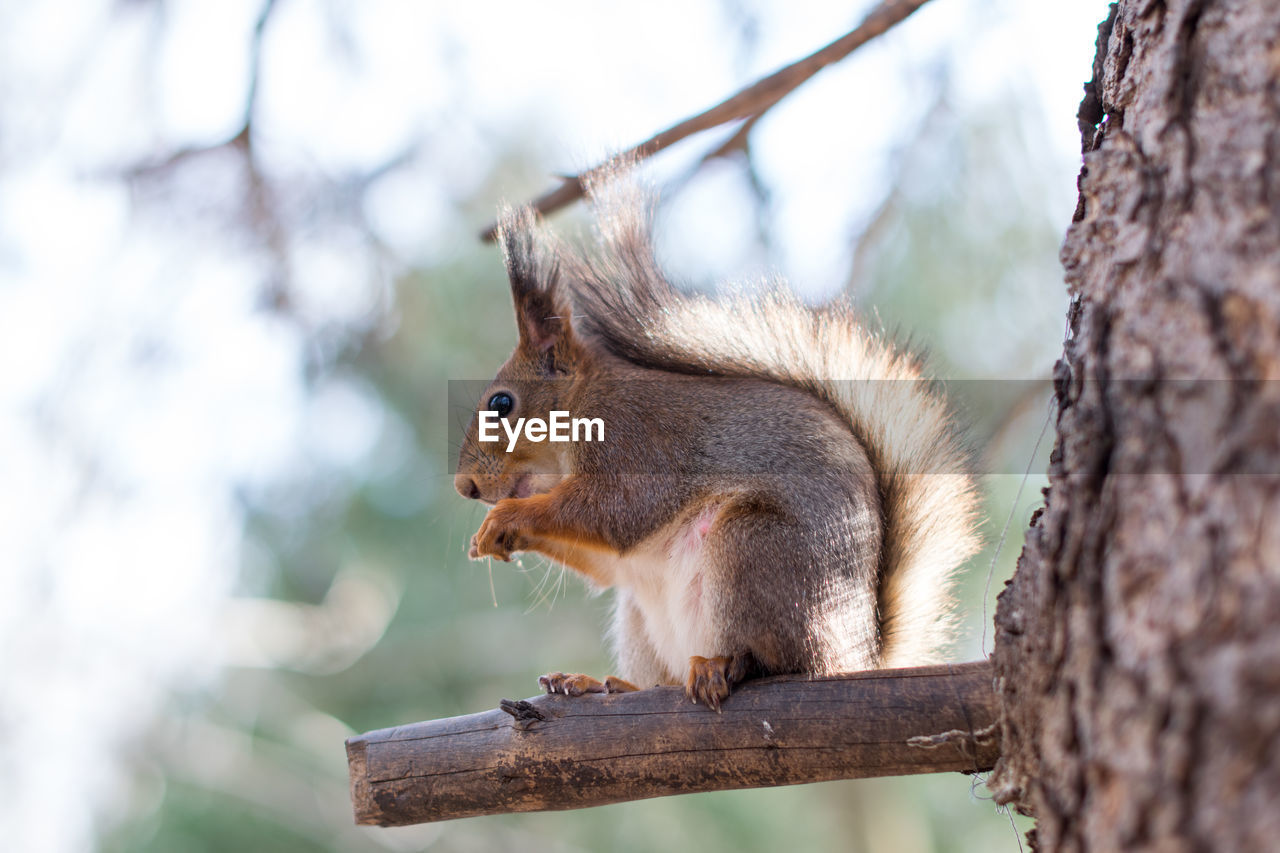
column 239, row 266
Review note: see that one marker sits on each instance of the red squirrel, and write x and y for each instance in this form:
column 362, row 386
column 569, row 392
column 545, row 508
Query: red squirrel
column 777, row 490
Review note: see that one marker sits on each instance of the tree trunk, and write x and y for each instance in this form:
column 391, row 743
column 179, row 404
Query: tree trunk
column 1137, row 650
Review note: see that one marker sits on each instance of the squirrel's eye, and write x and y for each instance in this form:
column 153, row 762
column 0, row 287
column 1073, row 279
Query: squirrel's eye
column 501, row 403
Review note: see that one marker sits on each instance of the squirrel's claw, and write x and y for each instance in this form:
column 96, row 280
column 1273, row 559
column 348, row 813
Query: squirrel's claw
column 477, row 551
column 577, row 685
column 498, row 535
column 570, row 685
column 709, row 680
column 614, row 684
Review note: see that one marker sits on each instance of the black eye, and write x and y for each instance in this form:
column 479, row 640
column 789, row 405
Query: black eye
column 501, row 403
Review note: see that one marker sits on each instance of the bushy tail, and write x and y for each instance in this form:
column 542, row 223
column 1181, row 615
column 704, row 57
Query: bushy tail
column 622, row 300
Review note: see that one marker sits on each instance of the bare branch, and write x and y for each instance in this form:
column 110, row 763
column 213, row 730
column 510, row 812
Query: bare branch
column 750, row 103
column 242, row 140
column 557, row 752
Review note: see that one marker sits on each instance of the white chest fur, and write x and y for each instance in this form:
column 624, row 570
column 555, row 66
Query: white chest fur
column 667, row 579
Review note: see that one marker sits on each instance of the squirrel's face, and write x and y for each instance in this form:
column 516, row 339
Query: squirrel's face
column 499, row 457
column 502, row 455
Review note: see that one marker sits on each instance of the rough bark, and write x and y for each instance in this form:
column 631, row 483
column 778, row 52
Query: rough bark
column 557, row 752
column 1138, row 646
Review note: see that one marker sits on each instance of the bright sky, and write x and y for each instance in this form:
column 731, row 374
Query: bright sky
column 141, row 384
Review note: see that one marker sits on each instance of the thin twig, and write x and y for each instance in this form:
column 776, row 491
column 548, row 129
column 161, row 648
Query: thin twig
column 242, row 140
column 750, row 103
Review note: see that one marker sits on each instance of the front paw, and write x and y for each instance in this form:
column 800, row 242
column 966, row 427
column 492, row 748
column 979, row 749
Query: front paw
column 499, row 535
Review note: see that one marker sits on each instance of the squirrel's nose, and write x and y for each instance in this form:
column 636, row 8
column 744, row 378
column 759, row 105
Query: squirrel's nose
column 466, row 486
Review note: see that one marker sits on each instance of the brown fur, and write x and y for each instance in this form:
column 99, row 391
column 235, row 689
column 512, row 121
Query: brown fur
column 778, row 491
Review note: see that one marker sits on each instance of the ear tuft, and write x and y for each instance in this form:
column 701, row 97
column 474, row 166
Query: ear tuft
column 542, row 314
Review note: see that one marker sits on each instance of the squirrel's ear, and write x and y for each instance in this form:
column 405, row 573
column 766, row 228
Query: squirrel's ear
column 542, row 312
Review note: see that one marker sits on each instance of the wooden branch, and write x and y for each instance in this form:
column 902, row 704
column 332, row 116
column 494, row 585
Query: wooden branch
column 558, row 752
column 749, row 103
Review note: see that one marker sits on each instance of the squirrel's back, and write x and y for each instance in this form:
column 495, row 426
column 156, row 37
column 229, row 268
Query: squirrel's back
column 928, row 499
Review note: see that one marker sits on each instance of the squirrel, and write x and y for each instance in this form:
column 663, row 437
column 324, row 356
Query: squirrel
column 779, row 490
